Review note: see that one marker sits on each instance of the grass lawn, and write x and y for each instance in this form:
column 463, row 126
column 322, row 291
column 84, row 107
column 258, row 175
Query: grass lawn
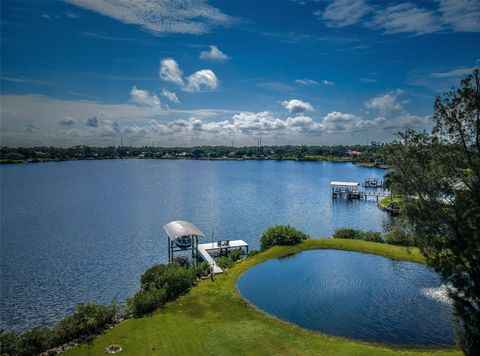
column 385, row 201
column 213, row 319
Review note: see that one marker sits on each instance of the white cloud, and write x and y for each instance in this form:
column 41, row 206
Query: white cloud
column 368, row 80
column 341, row 13
column 92, row 122
column 407, row 18
column 385, row 103
column 327, row 82
column 143, row 97
column 161, row 16
column 204, row 78
column 453, row 73
column 461, row 15
column 214, row 54
column 170, row 71
column 296, row 106
column 46, row 16
column 170, row 95
column 33, row 120
column 306, row 81
column 67, row 121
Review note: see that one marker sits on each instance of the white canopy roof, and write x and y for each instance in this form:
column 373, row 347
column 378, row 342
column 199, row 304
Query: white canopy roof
column 180, row 228
column 345, row 184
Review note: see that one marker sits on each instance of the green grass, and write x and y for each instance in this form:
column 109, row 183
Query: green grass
column 385, row 201
column 213, row 319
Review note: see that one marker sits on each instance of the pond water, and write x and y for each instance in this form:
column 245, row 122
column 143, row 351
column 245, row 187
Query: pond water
column 73, row 232
column 354, row 295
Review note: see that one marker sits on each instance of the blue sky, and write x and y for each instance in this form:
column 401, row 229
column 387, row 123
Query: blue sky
column 170, row 73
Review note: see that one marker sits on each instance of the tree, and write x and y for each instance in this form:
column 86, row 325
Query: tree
column 283, row 235
column 439, row 176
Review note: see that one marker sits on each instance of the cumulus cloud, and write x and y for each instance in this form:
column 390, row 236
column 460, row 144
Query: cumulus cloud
column 33, row 119
column 385, row 103
column 161, row 16
column 170, row 95
column 341, row 13
column 143, row 97
column 296, row 106
column 214, row 54
column 201, row 79
column 170, row 71
column 67, row 121
column 92, row 122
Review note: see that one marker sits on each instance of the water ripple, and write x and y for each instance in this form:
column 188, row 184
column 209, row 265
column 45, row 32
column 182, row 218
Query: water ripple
column 353, row 295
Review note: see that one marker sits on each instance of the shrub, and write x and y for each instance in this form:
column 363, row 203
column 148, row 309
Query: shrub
column 144, row 302
column 9, row 343
column 398, row 236
column 253, row 252
column 373, row 236
column 235, row 254
column 202, row 269
column 347, row 234
column 182, row 260
column 35, row 341
column 86, row 320
column 225, row 262
column 174, row 278
column 281, row 235
column 178, row 280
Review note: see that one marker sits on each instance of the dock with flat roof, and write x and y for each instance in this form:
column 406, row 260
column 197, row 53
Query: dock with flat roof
column 350, row 190
column 205, row 251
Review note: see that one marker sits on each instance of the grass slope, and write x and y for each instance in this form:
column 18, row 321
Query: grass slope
column 213, row 319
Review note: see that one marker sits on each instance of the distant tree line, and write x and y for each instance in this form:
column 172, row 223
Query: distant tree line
column 368, row 154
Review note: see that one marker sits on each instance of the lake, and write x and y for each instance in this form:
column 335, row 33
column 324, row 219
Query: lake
column 354, row 295
column 81, row 231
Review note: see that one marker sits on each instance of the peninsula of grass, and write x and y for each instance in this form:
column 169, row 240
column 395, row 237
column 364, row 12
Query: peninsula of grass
column 384, row 203
column 214, row 319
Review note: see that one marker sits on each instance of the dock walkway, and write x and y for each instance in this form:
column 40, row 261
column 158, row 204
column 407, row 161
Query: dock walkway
column 203, row 250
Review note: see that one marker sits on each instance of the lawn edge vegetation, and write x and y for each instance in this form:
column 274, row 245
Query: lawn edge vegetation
column 213, row 317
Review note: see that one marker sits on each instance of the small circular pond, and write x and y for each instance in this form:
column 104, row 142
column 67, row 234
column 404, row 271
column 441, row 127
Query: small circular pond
column 354, row 295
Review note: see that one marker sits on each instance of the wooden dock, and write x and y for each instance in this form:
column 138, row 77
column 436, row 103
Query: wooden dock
column 350, row 191
column 204, row 251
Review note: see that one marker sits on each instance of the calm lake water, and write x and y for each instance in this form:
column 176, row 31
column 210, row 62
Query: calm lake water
column 82, row 231
column 354, row 295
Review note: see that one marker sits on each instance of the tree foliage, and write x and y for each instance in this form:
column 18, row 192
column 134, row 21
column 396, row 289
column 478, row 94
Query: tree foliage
column 281, row 235
column 439, row 176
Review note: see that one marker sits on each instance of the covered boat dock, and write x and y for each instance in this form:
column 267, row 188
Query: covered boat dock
column 183, row 236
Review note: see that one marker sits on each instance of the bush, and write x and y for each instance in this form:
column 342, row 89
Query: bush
column 235, row 255
column 36, row 340
column 144, row 302
column 284, row 235
column 225, row 262
column 373, row 236
column 347, row 234
column 253, row 252
column 398, row 236
column 9, row 343
column 174, row 278
column 86, row 320
column 202, row 269
column 182, row 260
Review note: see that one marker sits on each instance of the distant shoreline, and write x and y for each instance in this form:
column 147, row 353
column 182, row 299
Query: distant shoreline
column 325, row 159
